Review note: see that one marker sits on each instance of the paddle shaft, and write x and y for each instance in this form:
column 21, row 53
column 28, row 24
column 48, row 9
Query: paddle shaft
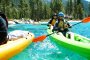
column 76, row 23
column 41, row 38
column 72, row 25
column 49, row 34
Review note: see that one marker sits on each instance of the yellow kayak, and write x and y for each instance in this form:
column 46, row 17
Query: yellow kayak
column 14, row 47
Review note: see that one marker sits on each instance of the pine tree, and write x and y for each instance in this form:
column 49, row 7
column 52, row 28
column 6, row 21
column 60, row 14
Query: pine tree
column 89, row 9
column 78, row 9
column 39, row 9
column 23, row 8
column 69, row 7
column 31, row 4
column 56, row 6
column 45, row 11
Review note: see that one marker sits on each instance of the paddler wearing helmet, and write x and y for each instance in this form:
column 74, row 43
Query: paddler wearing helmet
column 53, row 20
column 61, row 25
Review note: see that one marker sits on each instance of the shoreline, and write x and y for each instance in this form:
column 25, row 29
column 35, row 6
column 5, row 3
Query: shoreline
column 74, row 21
column 41, row 22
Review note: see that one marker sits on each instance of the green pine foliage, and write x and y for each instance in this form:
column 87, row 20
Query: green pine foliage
column 56, row 6
column 89, row 9
column 41, row 9
column 75, row 8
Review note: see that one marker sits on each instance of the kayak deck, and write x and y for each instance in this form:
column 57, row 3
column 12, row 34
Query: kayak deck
column 78, row 43
column 14, row 47
column 78, row 37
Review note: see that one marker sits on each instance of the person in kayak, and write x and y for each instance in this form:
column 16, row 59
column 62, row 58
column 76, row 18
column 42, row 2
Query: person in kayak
column 3, row 29
column 4, row 36
column 4, row 17
column 52, row 21
column 61, row 25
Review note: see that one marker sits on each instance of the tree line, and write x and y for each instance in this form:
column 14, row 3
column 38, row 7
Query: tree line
column 41, row 9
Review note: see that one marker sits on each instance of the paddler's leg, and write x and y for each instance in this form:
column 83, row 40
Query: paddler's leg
column 70, row 35
column 59, row 30
column 64, row 33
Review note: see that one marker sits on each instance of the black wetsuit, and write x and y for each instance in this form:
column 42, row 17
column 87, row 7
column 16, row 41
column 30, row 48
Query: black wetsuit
column 3, row 31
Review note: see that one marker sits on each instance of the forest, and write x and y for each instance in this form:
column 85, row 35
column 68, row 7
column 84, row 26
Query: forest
column 42, row 9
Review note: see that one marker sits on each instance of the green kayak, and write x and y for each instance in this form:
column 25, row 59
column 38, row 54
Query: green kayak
column 72, row 41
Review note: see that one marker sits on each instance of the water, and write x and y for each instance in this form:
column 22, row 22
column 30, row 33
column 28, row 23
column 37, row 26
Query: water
column 48, row 50
column 82, row 29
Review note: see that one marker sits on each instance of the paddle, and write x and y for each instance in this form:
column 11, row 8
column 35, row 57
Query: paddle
column 85, row 20
column 41, row 38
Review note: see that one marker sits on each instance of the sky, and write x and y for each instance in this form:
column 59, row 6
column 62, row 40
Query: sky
column 88, row 0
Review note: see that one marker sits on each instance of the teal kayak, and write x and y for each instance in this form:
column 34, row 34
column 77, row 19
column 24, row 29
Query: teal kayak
column 72, row 41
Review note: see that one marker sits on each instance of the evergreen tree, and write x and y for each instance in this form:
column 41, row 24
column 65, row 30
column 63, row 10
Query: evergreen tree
column 89, row 9
column 69, row 7
column 40, row 9
column 56, row 6
column 78, row 9
column 45, row 11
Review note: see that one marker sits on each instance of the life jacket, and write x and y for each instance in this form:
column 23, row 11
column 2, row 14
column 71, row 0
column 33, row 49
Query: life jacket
column 53, row 22
column 62, row 24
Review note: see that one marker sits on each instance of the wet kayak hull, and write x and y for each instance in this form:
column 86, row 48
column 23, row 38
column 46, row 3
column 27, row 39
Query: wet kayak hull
column 78, row 44
column 12, row 48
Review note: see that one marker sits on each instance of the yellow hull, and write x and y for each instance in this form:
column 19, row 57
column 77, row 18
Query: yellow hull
column 14, row 47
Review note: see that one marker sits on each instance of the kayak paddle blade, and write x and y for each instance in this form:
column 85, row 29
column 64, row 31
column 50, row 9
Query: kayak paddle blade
column 40, row 38
column 85, row 20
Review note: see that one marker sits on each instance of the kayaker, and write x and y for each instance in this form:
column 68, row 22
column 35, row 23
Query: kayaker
column 61, row 25
column 4, row 17
column 3, row 29
column 52, row 21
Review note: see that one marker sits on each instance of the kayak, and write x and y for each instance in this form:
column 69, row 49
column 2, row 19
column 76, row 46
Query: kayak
column 12, row 48
column 72, row 41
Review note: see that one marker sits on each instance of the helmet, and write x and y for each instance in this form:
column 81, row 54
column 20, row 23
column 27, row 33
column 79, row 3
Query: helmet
column 61, row 14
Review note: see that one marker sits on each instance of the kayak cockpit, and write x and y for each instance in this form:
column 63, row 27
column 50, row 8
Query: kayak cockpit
column 77, row 37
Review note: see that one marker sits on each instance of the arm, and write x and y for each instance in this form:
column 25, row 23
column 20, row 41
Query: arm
column 49, row 22
column 55, row 27
column 67, row 25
